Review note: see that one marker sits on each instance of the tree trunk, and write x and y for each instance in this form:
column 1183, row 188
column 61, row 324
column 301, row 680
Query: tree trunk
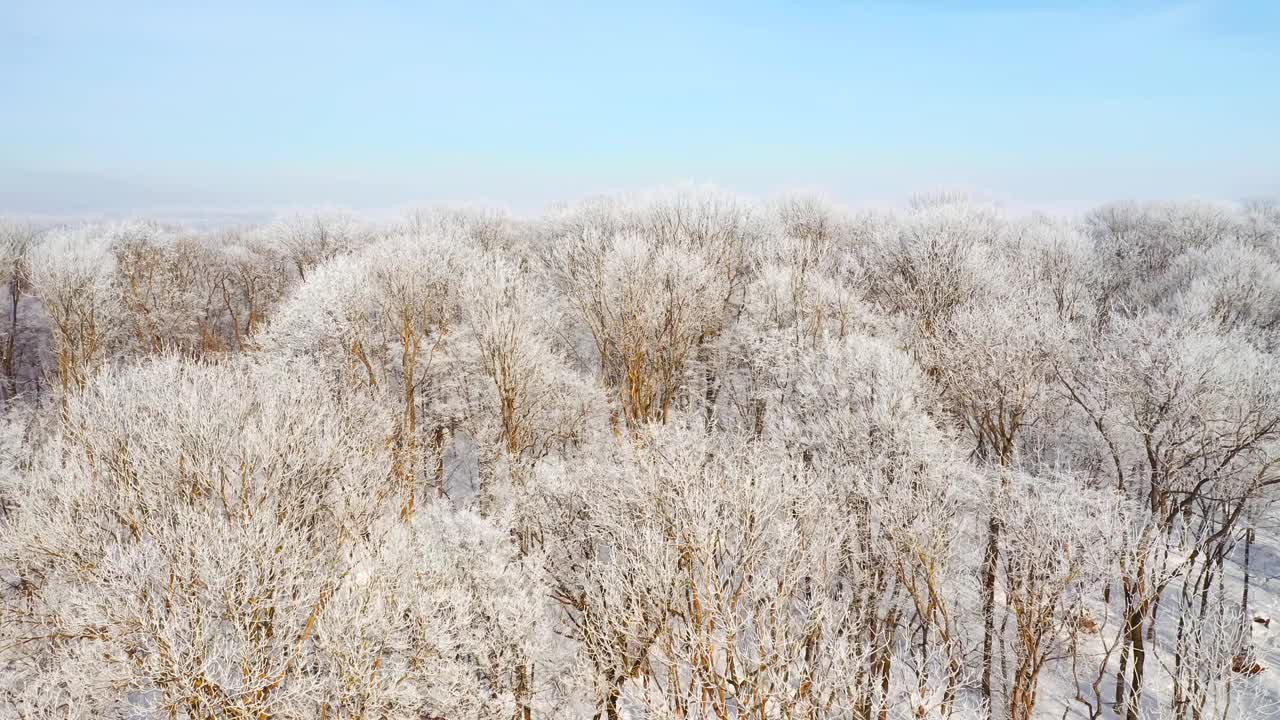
column 989, row 605
column 1246, row 616
column 1134, row 624
column 611, row 703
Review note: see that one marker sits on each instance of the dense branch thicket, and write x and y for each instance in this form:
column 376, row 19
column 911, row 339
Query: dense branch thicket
column 671, row 456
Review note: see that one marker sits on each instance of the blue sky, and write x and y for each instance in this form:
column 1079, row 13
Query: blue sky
column 135, row 106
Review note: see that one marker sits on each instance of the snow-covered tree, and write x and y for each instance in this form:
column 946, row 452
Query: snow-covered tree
column 381, row 320
column 671, row 455
column 218, row 540
column 652, row 281
column 71, row 272
column 16, row 239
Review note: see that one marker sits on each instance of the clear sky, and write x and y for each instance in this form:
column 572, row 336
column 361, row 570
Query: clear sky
column 134, row 106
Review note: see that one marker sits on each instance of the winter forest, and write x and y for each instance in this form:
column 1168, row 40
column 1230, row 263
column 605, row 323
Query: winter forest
column 677, row 455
